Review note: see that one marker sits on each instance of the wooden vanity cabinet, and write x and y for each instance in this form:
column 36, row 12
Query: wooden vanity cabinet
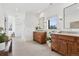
column 40, row 37
column 64, row 44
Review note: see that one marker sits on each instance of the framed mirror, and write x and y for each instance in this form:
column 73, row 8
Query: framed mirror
column 71, row 16
column 41, row 22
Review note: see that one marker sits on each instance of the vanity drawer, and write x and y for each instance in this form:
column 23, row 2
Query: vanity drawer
column 64, row 37
column 54, row 36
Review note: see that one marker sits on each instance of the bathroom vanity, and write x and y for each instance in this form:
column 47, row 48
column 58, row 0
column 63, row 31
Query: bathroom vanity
column 65, row 43
column 39, row 36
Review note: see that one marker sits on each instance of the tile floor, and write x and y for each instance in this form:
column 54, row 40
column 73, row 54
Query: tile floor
column 31, row 48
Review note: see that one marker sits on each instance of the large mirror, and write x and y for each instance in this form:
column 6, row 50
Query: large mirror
column 71, row 16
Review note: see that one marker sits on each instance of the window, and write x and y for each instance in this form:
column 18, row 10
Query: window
column 52, row 23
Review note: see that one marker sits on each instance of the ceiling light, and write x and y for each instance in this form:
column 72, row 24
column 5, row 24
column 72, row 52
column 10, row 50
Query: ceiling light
column 50, row 4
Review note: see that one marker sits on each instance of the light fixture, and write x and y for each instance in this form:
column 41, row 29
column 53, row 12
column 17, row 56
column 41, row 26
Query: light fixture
column 50, row 4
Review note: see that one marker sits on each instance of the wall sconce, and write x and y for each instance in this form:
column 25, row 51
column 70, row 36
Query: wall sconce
column 60, row 18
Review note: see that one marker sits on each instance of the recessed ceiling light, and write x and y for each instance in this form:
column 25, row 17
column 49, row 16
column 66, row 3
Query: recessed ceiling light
column 50, row 4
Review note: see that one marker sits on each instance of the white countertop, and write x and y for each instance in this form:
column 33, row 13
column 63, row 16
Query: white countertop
column 39, row 31
column 69, row 34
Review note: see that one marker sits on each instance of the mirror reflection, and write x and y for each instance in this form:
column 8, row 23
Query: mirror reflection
column 52, row 23
column 71, row 16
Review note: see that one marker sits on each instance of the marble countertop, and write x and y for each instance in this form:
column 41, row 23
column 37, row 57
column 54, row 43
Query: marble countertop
column 69, row 34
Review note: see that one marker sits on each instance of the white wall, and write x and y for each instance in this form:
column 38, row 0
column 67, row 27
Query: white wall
column 19, row 25
column 17, row 21
column 1, row 17
column 25, row 24
column 31, row 21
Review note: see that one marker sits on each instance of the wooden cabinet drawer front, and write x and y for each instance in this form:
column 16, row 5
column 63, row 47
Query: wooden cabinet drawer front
column 66, row 38
column 54, row 36
column 41, row 33
column 54, row 40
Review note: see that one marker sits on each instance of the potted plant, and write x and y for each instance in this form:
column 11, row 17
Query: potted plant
column 48, row 41
column 3, row 40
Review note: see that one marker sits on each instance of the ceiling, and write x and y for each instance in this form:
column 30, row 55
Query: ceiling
column 23, row 7
column 36, row 8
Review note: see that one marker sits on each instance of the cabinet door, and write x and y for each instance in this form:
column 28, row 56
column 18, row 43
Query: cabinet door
column 62, row 47
column 40, row 37
column 54, row 44
column 77, row 46
column 77, row 49
column 72, row 48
